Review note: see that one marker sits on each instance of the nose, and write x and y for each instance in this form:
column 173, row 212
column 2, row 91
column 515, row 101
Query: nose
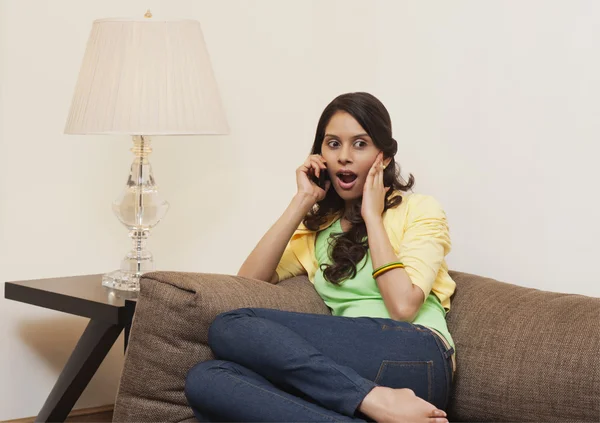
column 344, row 156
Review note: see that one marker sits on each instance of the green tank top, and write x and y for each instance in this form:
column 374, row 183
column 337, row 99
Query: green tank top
column 360, row 296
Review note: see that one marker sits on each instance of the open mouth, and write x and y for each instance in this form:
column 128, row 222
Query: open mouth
column 346, row 179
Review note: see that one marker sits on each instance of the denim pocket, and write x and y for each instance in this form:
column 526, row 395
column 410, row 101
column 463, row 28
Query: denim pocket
column 415, row 375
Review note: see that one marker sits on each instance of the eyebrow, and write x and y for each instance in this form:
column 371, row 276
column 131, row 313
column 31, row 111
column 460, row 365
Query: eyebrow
column 354, row 136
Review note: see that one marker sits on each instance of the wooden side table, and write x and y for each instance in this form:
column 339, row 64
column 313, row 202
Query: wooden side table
column 110, row 311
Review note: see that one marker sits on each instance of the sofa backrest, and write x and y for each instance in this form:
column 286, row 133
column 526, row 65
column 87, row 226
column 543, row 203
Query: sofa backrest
column 522, row 354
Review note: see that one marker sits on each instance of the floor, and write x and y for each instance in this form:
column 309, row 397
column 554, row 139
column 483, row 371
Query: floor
column 100, row 414
column 103, row 416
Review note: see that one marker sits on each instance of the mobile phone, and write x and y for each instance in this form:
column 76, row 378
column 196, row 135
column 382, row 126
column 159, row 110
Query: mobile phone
column 323, row 177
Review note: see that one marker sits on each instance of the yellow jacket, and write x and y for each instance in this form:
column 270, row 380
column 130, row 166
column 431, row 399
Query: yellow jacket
column 418, row 231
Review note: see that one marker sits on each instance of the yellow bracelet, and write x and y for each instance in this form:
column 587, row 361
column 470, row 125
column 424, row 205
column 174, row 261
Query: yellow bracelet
column 381, row 270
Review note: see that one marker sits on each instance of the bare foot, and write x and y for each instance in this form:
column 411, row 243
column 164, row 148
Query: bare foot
column 400, row 406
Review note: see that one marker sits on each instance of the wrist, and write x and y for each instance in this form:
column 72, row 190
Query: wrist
column 304, row 201
column 373, row 220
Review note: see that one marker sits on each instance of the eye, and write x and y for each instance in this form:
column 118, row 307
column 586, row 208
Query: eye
column 357, row 143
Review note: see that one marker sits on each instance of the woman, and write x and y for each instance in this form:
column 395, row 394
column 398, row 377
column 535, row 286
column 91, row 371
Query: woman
column 376, row 255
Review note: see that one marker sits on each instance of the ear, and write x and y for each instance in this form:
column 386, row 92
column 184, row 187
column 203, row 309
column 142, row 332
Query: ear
column 386, row 163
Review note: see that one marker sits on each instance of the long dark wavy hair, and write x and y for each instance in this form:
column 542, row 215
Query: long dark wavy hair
column 349, row 248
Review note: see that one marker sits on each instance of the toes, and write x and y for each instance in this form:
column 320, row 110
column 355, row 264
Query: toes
column 437, row 416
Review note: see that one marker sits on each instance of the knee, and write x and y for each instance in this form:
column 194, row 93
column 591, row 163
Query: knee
column 222, row 332
column 200, row 380
column 223, row 321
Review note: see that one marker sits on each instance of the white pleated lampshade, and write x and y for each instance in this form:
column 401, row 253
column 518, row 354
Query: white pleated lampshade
column 146, row 77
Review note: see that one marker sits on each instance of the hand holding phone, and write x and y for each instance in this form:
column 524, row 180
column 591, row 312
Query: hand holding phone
column 308, row 182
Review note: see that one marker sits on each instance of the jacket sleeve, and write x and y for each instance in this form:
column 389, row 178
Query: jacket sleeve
column 289, row 265
column 425, row 243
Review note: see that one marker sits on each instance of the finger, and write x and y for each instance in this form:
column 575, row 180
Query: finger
column 319, row 161
column 307, row 162
column 309, row 169
column 321, row 158
column 318, row 166
column 318, row 158
column 306, row 166
column 377, row 174
column 311, row 163
column 371, row 176
column 375, row 165
column 303, row 168
column 379, row 177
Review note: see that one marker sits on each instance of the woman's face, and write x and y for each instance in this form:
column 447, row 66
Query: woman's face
column 349, row 153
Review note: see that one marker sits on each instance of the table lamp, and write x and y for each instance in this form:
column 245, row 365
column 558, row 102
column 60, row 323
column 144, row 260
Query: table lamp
column 144, row 77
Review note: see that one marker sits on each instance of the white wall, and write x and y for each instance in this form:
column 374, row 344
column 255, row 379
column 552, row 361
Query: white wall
column 494, row 105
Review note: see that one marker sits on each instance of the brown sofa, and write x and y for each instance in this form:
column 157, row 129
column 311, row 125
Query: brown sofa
column 522, row 354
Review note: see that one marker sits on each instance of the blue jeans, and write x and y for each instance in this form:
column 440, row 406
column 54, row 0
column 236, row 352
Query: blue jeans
column 280, row 366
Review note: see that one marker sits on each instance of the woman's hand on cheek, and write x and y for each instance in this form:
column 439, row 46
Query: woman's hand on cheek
column 374, row 191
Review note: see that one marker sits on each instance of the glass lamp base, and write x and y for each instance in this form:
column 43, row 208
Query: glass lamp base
column 139, row 208
column 121, row 280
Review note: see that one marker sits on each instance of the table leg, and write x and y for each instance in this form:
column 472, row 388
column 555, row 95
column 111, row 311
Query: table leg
column 92, row 347
column 126, row 337
column 130, row 307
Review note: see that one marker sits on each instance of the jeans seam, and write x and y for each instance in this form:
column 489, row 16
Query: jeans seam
column 329, row 418
column 362, row 390
column 447, row 365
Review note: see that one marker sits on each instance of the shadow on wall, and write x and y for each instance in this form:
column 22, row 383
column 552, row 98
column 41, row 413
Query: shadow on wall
column 53, row 340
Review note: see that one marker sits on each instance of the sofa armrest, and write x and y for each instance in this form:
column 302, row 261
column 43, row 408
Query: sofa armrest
column 169, row 334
